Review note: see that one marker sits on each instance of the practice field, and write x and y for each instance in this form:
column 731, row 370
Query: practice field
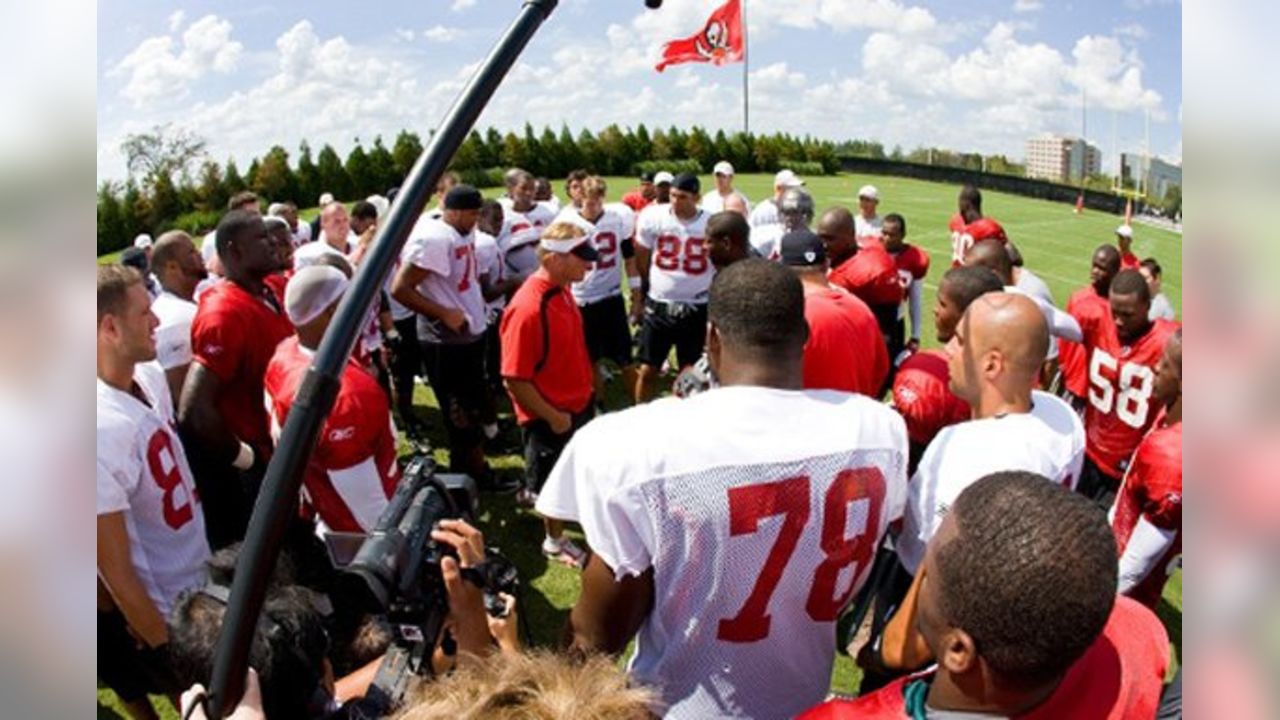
column 1056, row 243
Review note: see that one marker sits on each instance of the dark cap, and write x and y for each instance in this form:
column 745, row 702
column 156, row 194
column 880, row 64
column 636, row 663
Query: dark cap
column 801, row 248
column 688, row 182
column 646, row 177
column 586, row 250
column 463, row 197
column 134, row 257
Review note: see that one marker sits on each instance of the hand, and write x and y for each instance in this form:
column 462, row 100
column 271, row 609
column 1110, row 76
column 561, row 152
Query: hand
column 465, row 539
column 561, row 423
column 366, row 237
column 505, row 630
column 249, row 707
column 466, row 611
column 454, row 319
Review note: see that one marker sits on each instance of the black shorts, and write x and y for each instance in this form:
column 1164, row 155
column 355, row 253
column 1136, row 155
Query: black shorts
column 683, row 325
column 457, row 376
column 132, row 672
column 1096, row 484
column 542, row 447
column 604, row 322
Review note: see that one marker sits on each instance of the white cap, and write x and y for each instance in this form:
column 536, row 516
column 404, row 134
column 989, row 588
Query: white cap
column 723, row 168
column 143, row 240
column 663, row 177
column 787, row 179
column 870, row 192
column 275, row 209
column 325, row 199
column 1124, row 231
column 380, row 203
column 311, row 291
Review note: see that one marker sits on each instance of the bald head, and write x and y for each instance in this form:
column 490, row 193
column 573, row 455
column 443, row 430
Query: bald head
column 735, row 203
column 1103, row 268
column 998, row 348
column 991, row 254
column 836, row 229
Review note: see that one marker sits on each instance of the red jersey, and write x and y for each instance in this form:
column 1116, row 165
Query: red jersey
column 922, row 395
column 546, row 347
column 277, row 282
column 845, row 350
column 234, row 335
column 1152, row 492
column 871, row 274
column 353, row 471
column 912, row 263
column 636, row 200
column 1129, row 261
column 1091, row 310
column 1118, row 412
column 1119, row 677
column 964, row 235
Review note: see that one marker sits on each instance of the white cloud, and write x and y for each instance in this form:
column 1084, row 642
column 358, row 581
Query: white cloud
column 176, row 19
column 1133, row 31
column 441, row 34
column 157, row 69
column 405, row 34
column 460, row 5
column 1027, row 6
column 842, row 16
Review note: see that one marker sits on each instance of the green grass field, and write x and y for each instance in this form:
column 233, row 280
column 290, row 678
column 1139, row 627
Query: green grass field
column 1057, row 245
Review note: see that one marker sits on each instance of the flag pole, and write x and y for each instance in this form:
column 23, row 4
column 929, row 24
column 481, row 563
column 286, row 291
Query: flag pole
column 746, row 117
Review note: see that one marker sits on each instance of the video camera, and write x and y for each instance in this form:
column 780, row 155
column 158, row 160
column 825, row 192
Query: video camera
column 396, row 573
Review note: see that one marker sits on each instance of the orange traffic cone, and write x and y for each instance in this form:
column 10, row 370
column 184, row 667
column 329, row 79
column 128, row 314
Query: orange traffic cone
column 1079, row 203
column 1128, row 211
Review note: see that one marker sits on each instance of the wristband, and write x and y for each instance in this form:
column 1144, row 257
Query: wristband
column 634, row 282
column 392, row 335
column 244, row 458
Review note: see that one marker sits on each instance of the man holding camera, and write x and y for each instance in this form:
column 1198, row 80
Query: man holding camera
column 546, row 366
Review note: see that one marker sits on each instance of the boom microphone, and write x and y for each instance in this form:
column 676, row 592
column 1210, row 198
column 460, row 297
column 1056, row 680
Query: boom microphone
column 653, row 4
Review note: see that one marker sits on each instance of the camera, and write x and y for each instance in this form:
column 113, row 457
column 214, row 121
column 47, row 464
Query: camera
column 395, row 572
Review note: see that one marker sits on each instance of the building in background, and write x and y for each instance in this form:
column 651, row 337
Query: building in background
column 1153, row 175
column 1062, row 159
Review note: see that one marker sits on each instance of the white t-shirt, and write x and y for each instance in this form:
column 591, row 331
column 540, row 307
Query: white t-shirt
column 489, row 262
column 710, row 491
column 1031, row 284
column 713, row 202
column 521, row 232
column 452, row 280
column 310, row 254
column 143, row 472
column 767, row 240
column 766, row 213
column 867, row 230
column 302, row 235
column 173, row 334
column 1049, row 441
column 1161, row 308
column 679, row 269
column 607, row 233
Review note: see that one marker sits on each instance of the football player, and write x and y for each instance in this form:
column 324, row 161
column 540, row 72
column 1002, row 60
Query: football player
column 611, row 229
column 1122, row 357
column 728, row 540
column 868, row 272
column 969, row 226
column 523, row 220
column 1090, row 307
column 671, row 254
column 1147, row 515
column 179, row 269
column 912, row 262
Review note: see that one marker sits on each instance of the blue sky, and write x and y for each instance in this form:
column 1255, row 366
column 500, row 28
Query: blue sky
column 983, row 75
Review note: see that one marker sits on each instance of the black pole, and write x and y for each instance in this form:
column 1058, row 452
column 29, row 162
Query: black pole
column 315, row 396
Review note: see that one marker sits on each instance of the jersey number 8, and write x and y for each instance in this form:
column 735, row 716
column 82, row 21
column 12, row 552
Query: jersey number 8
column 1135, row 384
column 790, row 498
column 668, row 254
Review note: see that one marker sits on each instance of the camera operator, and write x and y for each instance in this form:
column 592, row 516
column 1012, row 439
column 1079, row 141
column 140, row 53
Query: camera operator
column 290, row 648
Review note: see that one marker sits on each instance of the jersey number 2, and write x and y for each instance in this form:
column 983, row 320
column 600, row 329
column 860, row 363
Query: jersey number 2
column 790, row 498
column 168, row 479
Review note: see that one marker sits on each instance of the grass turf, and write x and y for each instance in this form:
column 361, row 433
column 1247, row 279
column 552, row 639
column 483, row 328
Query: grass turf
column 1057, row 245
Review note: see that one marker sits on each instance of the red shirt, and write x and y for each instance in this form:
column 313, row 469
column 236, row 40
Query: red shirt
column 871, row 274
column 1129, row 261
column 922, row 395
column 912, row 263
column 636, row 200
column 353, row 471
column 964, row 235
column 565, row 378
column 845, row 350
column 1120, row 677
column 1152, row 491
column 234, row 335
column 277, row 282
column 1119, row 409
column 1090, row 310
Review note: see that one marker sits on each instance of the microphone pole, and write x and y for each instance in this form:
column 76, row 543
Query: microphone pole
column 315, row 396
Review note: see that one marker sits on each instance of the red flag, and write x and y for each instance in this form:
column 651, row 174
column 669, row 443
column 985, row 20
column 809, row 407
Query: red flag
column 720, row 41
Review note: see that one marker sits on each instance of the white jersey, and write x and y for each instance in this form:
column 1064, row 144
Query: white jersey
column 552, row 205
column 767, row 240
column 143, row 472
column 301, row 234
column 679, row 269
column 758, row 534
column 615, row 226
column 713, row 202
column 521, row 232
column 173, row 334
column 766, row 213
column 1048, row 441
column 1030, row 284
column 451, row 281
column 489, row 262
